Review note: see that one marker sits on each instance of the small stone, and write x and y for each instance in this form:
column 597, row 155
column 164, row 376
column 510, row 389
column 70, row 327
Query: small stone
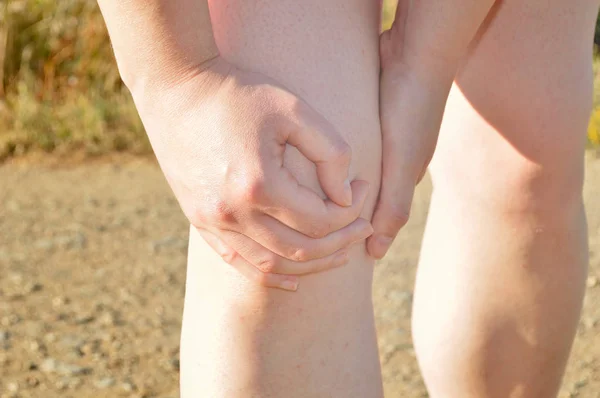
column 127, row 386
column 589, row 323
column 12, row 387
column 108, row 319
column 51, row 365
column 83, row 319
column 32, row 381
column 32, row 287
column 114, row 363
column 50, row 337
column 62, row 384
column 89, row 347
column 105, row 382
column 74, row 383
column 4, row 336
column 71, row 341
column 174, row 362
column 16, row 278
column 37, row 346
column 10, row 320
column 592, row 282
column 59, row 301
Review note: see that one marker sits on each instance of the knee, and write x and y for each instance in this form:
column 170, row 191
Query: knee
column 547, row 188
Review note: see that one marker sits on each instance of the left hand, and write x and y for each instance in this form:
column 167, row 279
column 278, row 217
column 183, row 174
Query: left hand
column 412, row 103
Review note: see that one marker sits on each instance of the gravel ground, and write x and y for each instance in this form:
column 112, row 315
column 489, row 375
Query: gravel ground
column 92, row 269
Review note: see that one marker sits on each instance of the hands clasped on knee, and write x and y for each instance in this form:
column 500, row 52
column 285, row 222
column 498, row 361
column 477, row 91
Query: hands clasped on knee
column 222, row 152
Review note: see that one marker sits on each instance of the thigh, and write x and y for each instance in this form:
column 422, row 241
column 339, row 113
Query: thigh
column 320, row 341
column 518, row 111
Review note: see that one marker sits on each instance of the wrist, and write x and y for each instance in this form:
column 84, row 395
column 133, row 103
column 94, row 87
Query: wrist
column 431, row 68
column 163, row 72
column 408, row 79
column 178, row 89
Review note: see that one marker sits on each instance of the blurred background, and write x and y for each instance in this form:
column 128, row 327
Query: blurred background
column 60, row 89
column 92, row 250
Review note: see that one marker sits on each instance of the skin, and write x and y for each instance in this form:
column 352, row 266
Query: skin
column 504, row 256
column 197, row 106
column 242, row 340
column 281, row 339
column 503, row 260
column 417, row 70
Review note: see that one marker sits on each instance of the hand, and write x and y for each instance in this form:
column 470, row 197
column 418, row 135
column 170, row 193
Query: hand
column 220, row 135
column 412, row 103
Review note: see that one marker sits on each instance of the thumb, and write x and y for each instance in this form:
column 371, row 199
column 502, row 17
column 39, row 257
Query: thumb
column 319, row 141
column 391, row 214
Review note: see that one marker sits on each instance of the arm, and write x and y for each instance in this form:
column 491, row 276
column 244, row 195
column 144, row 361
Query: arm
column 420, row 56
column 431, row 36
column 156, row 41
column 222, row 151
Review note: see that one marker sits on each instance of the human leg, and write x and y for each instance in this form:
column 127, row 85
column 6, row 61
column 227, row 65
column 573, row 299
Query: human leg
column 241, row 340
column 501, row 276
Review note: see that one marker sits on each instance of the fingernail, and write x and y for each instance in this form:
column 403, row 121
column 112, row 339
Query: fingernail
column 340, row 259
column 347, row 193
column 382, row 245
column 291, row 286
column 369, row 230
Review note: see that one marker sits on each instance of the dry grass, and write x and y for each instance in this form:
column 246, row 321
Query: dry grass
column 594, row 128
column 59, row 86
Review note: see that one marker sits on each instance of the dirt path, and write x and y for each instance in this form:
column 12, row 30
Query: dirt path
column 92, row 275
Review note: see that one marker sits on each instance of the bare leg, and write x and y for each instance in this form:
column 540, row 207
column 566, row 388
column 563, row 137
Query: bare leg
column 243, row 341
column 501, row 278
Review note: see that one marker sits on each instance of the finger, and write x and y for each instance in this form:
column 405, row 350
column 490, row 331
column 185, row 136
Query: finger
column 253, row 274
column 322, row 144
column 389, row 218
column 300, row 208
column 393, row 208
column 268, row 262
column 296, row 246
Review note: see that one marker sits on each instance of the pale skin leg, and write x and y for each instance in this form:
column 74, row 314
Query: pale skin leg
column 241, row 340
column 501, row 277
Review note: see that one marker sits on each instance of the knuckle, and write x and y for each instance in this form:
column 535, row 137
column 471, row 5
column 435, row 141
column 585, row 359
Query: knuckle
column 297, row 107
column 318, row 231
column 222, row 213
column 260, row 279
column 196, row 216
column 300, row 255
column 254, row 190
column 267, row 264
column 229, row 256
column 398, row 215
column 341, row 151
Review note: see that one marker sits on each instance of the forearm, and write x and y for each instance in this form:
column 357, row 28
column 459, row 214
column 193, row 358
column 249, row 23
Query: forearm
column 158, row 41
column 430, row 37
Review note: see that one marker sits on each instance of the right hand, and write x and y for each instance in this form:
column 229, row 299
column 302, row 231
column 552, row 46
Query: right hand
column 220, row 134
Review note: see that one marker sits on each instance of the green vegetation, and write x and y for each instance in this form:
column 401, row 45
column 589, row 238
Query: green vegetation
column 59, row 87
